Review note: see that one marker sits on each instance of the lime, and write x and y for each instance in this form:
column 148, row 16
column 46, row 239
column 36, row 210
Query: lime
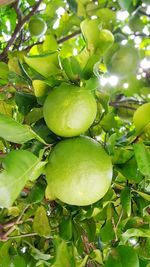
column 141, row 118
column 123, row 62
column 79, row 171
column 37, row 26
column 69, row 110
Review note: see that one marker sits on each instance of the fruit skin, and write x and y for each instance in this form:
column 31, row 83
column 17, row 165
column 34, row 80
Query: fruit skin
column 79, row 171
column 141, row 118
column 96, row 37
column 90, row 29
column 37, row 26
column 98, row 41
column 69, row 110
column 135, row 23
column 123, row 61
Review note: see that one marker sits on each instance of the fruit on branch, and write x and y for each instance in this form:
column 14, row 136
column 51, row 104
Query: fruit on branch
column 107, row 18
column 135, row 23
column 37, row 26
column 45, row 64
column 122, row 60
column 106, row 40
column 95, row 36
column 79, row 172
column 141, row 119
column 98, row 41
column 69, row 110
column 90, row 29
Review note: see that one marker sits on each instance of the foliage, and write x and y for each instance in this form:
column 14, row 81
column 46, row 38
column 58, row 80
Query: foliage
column 38, row 231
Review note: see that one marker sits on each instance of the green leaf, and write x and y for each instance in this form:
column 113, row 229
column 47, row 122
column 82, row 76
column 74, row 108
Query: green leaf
column 4, row 254
column 142, row 156
column 4, row 71
column 132, row 232
column 6, row 108
column 15, row 132
column 19, row 166
column 25, row 102
column 96, row 255
column 63, row 258
column 122, row 256
column 125, row 199
column 65, row 228
column 144, row 195
column 41, row 224
column 36, row 194
column 107, row 231
column 18, row 261
column 37, row 254
column 125, row 4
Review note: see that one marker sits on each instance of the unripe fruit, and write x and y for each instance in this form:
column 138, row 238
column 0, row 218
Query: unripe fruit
column 141, row 118
column 96, row 38
column 37, row 26
column 136, row 24
column 123, row 61
column 79, row 171
column 69, row 110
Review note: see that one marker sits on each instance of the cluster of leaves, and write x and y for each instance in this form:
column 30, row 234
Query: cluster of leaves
column 33, row 230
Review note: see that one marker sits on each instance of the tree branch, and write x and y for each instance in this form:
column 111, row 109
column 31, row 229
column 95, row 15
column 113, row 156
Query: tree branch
column 60, row 41
column 66, row 38
column 144, row 13
column 18, row 28
column 17, row 9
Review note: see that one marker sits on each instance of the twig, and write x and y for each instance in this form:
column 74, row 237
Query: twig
column 115, row 227
column 18, row 28
column 60, row 41
column 20, row 236
column 17, row 9
column 66, row 38
column 5, row 236
column 144, row 13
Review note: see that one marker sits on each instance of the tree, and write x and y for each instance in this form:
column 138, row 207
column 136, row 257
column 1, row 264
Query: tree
column 102, row 46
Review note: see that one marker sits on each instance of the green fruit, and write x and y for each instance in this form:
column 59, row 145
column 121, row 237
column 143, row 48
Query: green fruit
column 69, row 110
column 79, row 171
column 123, row 62
column 107, row 18
column 37, row 26
column 90, row 29
column 105, row 41
column 136, row 24
column 141, row 118
column 119, row 37
column 96, row 37
column 45, row 64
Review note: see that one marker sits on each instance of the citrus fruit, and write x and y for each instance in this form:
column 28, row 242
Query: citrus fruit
column 90, row 30
column 79, row 171
column 95, row 36
column 141, row 118
column 124, row 61
column 135, row 23
column 69, row 110
column 37, row 26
